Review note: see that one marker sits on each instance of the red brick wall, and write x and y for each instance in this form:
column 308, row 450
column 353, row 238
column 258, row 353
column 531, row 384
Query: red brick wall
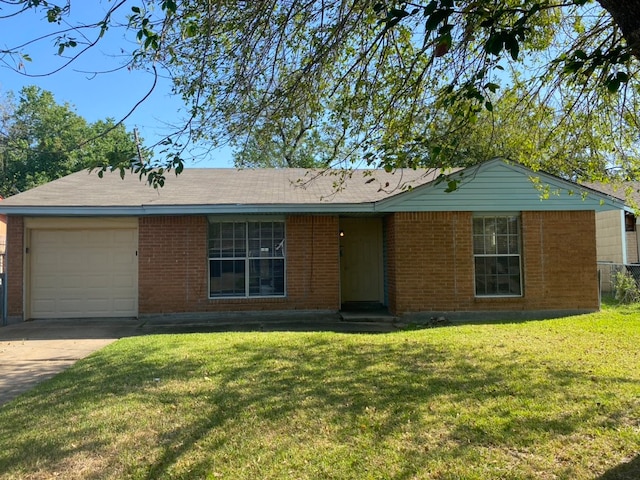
column 173, row 267
column 429, row 256
column 15, row 266
column 431, row 263
column 172, row 264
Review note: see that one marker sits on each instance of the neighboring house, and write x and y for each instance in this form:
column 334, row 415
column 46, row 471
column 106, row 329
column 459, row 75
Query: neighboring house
column 221, row 240
column 616, row 232
column 617, row 239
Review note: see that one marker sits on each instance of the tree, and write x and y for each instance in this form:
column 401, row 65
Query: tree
column 529, row 132
column 371, row 78
column 42, row 140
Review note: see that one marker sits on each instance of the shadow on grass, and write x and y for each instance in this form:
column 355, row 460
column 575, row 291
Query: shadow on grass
column 192, row 393
column 625, row 471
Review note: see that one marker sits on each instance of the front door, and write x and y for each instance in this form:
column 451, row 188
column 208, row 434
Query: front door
column 361, row 271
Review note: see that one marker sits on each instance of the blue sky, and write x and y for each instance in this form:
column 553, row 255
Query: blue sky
column 99, row 96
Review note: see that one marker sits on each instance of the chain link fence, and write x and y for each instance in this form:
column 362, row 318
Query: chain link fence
column 607, row 273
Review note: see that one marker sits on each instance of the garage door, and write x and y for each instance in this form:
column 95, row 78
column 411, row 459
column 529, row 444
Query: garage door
column 83, row 273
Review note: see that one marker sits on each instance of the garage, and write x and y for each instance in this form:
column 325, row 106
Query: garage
column 82, row 272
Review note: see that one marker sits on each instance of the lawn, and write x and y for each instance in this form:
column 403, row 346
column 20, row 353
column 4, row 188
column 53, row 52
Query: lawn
column 547, row 399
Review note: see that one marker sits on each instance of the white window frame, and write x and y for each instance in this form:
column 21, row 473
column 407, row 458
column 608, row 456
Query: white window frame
column 513, row 250
column 247, row 258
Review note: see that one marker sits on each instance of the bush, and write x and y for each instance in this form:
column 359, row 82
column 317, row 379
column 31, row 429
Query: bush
column 626, row 288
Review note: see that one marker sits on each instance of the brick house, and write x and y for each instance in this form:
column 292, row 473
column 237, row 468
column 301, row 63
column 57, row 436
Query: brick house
column 222, row 240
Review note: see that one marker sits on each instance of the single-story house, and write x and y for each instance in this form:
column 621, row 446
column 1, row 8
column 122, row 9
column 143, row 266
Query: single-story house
column 222, row 240
column 616, row 230
column 617, row 239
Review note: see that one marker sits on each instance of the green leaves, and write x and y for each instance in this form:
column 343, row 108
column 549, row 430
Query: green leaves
column 613, row 63
column 65, row 43
column 613, row 81
column 45, row 140
column 316, row 82
column 503, row 40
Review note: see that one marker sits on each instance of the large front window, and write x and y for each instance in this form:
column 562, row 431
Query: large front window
column 246, row 259
column 496, row 251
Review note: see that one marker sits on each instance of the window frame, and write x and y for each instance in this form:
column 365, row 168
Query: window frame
column 509, row 216
column 247, row 259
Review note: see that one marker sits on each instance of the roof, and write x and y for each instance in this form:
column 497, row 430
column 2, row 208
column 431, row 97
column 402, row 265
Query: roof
column 627, row 192
column 491, row 186
column 231, row 187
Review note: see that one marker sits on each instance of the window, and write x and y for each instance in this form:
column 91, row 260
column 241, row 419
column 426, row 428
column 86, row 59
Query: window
column 496, row 251
column 246, row 259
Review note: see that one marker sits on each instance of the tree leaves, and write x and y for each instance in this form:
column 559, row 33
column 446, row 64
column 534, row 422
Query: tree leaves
column 322, row 81
column 43, row 141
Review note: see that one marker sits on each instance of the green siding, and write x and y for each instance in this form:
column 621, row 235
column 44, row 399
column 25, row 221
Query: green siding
column 496, row 186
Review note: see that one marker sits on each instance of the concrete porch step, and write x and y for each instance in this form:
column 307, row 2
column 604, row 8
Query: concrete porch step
column 367, row 316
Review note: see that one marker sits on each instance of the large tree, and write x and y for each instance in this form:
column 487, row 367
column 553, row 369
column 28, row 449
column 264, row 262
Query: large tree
column 374, row 80
column 42, row 140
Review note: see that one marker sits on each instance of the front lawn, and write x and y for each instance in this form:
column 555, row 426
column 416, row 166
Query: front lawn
column 549, row 399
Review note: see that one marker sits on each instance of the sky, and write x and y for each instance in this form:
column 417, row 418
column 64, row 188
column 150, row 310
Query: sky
column 95, row 97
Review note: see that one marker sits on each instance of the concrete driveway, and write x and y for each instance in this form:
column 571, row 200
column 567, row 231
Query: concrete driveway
column 33, row 351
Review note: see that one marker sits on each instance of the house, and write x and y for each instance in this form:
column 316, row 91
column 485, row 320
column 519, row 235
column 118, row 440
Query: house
column 617, row 239
column 223, row 240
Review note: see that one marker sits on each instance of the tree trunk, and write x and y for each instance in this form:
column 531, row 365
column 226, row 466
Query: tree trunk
column 626, row 14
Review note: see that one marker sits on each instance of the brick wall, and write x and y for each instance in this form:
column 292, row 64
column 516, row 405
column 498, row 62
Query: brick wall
column 14, row 265
column 173, row 267
column 429, row 258
column 431, row 263
column 172, row 264
column 429, row 255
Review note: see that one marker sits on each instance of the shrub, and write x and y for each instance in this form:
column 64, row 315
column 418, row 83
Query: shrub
column 626, row 288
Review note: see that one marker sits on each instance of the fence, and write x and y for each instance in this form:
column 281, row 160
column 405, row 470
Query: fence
column 607, row 272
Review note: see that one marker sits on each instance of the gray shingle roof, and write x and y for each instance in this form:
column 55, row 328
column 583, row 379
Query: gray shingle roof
column 222, row 187
column 628, row 192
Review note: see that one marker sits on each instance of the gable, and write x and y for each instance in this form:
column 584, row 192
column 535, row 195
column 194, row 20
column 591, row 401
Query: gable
column 496, row 186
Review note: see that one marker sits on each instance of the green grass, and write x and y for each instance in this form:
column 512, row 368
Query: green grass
column 548, row 399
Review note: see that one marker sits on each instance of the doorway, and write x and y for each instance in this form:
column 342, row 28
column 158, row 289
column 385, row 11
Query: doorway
column 361, row 261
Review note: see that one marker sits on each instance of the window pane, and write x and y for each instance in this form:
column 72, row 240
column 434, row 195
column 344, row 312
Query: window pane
column 278, row 231
column 478, row 244
column 502, row 244
column 279, row 249
column 254, row 229
column 266, row 277
column 514, row 227
column 278, row 239
column 489, row 225
column 227, row 278
column 254, row 239
column 215, row 248
column 481, row 276
column 214, row 230
column 490, row 243
column 502, row 227
column 496, row 246
column 246, row 254
column 478, row 226
column 240, row 240
column 514, row 244
column 214, row 240
column 227, row 231
column 514, row 265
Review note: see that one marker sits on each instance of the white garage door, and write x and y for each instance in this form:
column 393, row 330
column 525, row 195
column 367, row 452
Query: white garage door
column 83, row 273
